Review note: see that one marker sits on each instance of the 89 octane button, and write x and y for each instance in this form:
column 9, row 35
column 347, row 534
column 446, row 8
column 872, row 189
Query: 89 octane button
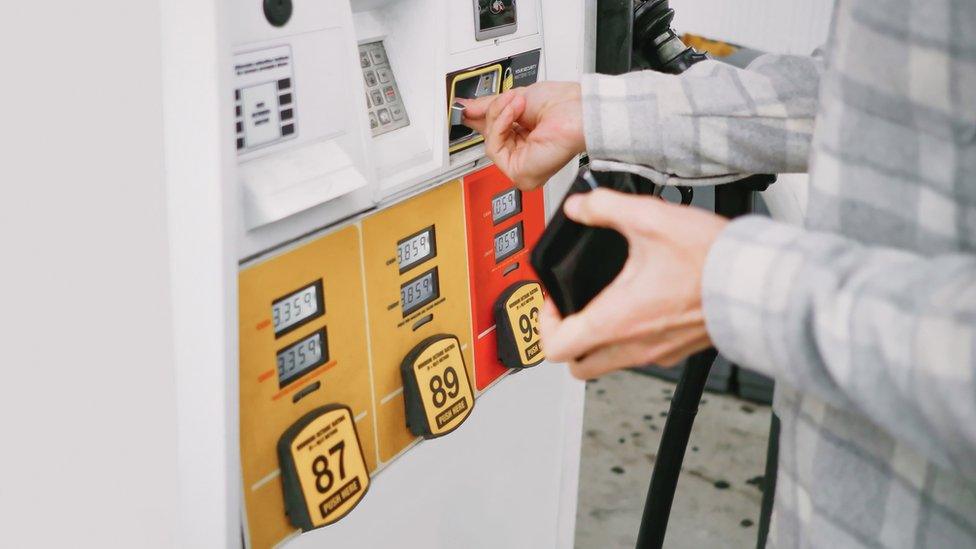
column 323, row 472
column 436, row 388
column 517, row 324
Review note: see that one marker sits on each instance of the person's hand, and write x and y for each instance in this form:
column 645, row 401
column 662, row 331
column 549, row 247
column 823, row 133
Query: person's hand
column 531, row 132
column 652, row 312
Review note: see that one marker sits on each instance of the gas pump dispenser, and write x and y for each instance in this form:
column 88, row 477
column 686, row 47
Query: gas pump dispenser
column 385, row 288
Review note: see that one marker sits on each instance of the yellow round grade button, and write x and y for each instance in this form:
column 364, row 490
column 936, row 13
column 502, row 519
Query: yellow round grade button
column 517, row 325
column 323, row 473
column 436, row 388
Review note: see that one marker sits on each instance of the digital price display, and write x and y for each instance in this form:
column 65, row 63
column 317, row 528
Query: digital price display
column 416, row 249
column 505, row 205
column 420, row 291
column 296, row 359
column 436, row 388
column 509, row 242
column 297, row 308
column 323, row 472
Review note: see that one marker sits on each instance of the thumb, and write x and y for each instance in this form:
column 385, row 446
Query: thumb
column 608, row 209
column 476, row 109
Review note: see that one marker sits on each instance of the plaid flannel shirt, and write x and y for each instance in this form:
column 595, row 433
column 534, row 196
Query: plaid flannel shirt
column 866, row 316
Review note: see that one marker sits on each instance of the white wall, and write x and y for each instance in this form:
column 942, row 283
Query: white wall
column 87, row 396
column 783, row 26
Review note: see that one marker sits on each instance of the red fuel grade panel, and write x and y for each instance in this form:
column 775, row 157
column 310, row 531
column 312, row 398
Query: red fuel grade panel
column 504, row 225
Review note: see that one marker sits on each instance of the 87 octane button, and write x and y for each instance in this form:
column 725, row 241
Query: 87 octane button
column 436, row 388
column 517, row 323
column 323, row 472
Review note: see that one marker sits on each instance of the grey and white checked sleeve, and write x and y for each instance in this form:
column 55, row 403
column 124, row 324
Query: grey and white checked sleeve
column 882, row 331
column 706, row 126
column 885, row 332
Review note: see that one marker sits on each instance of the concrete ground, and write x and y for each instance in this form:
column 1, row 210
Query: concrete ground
column 718, row 497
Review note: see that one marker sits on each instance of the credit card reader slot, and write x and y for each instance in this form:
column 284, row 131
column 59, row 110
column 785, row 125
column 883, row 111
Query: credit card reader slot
column 470, row 85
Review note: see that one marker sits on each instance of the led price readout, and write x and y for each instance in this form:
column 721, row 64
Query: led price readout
column 505, row 205
column 420, row 291
column 508, row 242
column 298, row 358
column 416, row 248
column 297, row 308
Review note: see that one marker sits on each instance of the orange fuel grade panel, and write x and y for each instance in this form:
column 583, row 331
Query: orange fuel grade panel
column 415, row 256
column 302, row 347
column 504, row 225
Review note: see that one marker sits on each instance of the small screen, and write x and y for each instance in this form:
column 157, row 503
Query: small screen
column 496, row 13
column 416, row 249
column 419, row 291
column 505, row 205
column 508, row 242
column 297, row 359
column 297, row 308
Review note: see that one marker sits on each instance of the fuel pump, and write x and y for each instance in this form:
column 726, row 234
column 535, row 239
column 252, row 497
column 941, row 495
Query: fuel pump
column 575, row 262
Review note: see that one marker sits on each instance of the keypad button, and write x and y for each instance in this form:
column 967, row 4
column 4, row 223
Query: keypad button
column 384, row 116
column 284, row 99
column 390, row 94
column 384, row 75
column 377, row 96
column 287, row 130
column 397, row 112
column 284, row 83
column 378, row 56
column 364, row 59
column 373, row 124
column 370, row 78
column 287, row 114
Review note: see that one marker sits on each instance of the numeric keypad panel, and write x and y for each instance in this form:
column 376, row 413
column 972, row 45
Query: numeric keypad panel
column 383, row 100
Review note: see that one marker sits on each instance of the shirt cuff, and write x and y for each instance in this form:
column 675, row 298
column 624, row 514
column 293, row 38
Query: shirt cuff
column 749, row 275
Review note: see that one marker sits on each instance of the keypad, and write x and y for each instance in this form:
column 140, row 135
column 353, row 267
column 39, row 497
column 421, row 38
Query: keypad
column 386, row 109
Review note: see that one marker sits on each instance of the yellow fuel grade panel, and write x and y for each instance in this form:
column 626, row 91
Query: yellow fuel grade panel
column 415, row 257
column 303, row 346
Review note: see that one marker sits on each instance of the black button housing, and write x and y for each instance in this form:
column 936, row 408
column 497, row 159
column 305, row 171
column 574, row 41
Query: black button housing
column 278, row 12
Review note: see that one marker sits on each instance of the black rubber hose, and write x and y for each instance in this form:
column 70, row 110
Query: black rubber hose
column 731, row 200
column 671, row 452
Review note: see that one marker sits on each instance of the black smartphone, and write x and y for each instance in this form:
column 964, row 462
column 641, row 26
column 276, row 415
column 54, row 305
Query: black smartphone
column 576, row 262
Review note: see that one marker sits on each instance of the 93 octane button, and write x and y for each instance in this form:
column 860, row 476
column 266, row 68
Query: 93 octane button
column 436, row 388
column 323, row 473
column 517, row 323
